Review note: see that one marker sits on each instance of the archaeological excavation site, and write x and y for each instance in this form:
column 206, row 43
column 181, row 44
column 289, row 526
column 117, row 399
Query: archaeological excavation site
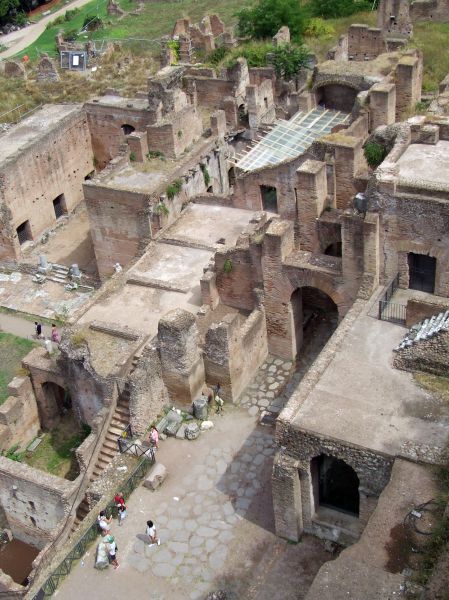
column 256, row 264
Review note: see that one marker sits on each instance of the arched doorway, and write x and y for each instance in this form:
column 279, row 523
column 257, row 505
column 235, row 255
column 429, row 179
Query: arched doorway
column 314, row 319
column 337, row 96
column 127, row 129
column 58, row 399
column 335, row 485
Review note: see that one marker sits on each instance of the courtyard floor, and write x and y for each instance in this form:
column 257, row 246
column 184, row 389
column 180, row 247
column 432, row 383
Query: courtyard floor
column 214, row 516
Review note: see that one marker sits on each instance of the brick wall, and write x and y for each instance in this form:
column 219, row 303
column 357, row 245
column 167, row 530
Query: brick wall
column 365, row 43
column 19, row 419
column 428, row 355
column 55, row 164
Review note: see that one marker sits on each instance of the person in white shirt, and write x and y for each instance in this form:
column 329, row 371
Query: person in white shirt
column 104, row 522
column 151, row 533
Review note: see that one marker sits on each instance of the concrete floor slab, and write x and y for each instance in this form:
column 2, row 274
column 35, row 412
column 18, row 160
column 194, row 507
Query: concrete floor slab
column 361, row 399
column 141, row 307
column 205, row 224
column 425, row 162
column 177, row 265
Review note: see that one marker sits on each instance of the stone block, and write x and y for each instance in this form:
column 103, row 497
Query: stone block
column 10, row 410
column 156, row 476
column 181, row 433
column 172, row 428
column 200, row 407
column 162, row 424
column 192, row 431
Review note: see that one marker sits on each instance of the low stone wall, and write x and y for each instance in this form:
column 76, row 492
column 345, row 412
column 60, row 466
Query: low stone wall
column 418, row 310
column 19, row 419
column 430, row 356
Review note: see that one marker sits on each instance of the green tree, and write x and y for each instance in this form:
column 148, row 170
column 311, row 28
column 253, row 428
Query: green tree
column 332, row 9
column 288, row 60
column 265, row 18
column 7, row 7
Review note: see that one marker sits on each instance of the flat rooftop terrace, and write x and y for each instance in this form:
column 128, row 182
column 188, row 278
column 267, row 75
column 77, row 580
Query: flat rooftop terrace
column 425, row 164
column 30, row 130
column 361, row 399
column 120, row 102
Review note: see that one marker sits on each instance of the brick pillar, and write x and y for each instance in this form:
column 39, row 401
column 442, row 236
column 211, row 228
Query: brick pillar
column 286, row 498
column 352, row 251
column 348, row 159
column 218, row 123
column 181, row 359
column 138, row 145
column 408, row 84
column 311, row 195
column 382, row 105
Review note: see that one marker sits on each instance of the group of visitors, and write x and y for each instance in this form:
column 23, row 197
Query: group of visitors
column 107, row 547
column 38, row 328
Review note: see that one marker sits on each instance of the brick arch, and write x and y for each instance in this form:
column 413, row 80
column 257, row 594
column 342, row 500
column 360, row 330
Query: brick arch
column 316, row 280
column 338, row 81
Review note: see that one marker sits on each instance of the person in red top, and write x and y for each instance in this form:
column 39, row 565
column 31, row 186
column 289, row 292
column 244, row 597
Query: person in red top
column 121, row 507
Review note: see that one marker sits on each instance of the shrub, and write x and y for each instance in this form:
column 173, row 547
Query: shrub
column 12, row 453
column 374, row 153
column 206, row 175
column 265, row 18
column 132, row 156
column 318, row 28
column 71, row 14
column 227, row 266
column 255, row 54
column 155, row 154
column 21, row 19
column 92, row 23
column 78, row 339
column 174, row 188
column 288, row 60
column 161, row 209
column 71, row 35
column 174, row 47
column 217, row 55
column 332, row 9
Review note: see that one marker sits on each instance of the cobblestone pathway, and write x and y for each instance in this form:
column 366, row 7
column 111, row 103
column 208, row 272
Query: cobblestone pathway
column 213, row 515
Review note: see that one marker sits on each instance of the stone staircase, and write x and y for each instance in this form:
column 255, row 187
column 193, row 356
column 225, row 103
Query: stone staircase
column 109, row 449
column 424, row 330
column 59, row 273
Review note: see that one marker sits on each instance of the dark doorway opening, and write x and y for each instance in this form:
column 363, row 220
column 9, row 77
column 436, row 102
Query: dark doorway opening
column 421, row 270
column 58, row 397
column 337, row 484
column 24, row 232
column 243, row 115
column 269, row 198
column 334, row 249
column 336, row 96
column 60, row 206
column 89, row 176
column 231, row 177
column 127, row 129
column 210, row 190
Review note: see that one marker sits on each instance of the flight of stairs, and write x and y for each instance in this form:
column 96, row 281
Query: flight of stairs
column 119, row 422
column 425, row 329
column 59, row 273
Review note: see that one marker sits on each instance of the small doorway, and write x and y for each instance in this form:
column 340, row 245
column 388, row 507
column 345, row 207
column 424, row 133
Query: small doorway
column 24, row 232
column 336, row 484
column 127, row 129
column 60, row 206
column 269, row 198
column 421, row 270
column 334, row 249
column 231, row 177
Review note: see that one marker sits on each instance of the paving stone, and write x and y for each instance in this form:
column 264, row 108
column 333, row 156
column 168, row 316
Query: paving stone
column 195, row 595
column 163, row 569
column 181, row 536
column 139, row 563
column 196, row 551
column 177, row 560
column 218, row 558
column 274, row 386
column 226, row 536
column 206, row 532
column 196, row 541
column 272, row 369
column 242, row 504
column 253, row 411
column 204, row 483
column 220, row 525
column 278, row 361
column 211, row 543
column 139, row 547
column 249, row 492
column 287, row 366
column 264, row 403
column 228, row 509
column 190, row 525
column 259, row 459
column 160, row 555
column 175, row 524
column 181, row 547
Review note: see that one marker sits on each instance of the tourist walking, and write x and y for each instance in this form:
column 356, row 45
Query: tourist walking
column 218, row 399
column 152, row 534
column 38, row 329
column 55, row 337
column 121, row 507
column 112, row 550
column 104, row 523
column 154, row 438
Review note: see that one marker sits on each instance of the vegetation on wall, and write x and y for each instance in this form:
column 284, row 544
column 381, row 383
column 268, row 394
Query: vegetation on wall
column 266, row 18
column 206, row 175
column 161, row 209
column 174, row 188
column 174, row 47
column 289, row 59
column 227, row 266
column 375, row 153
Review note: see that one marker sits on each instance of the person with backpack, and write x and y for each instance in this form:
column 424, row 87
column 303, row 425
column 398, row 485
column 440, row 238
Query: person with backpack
column 112, row 550
column 121, row 507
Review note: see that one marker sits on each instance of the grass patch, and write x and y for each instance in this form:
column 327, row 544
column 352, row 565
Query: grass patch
column 432, row 38
column 439, row 386
column 56, row 453
column 12, row 350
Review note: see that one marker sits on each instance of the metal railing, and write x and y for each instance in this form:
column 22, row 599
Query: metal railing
column 391, row 311
column 19, row 112
column 76, row 553
column 127, row 444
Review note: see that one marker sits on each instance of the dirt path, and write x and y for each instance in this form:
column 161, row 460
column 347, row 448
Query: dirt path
column 19, row 40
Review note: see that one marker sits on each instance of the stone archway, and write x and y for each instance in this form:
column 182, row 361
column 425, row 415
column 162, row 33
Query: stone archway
column 337, row 96
column 314, row 315
column 335, row 485
column 56, row 401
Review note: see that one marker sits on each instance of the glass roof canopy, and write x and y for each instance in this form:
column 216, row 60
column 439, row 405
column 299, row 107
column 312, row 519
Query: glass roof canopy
column 289, row 139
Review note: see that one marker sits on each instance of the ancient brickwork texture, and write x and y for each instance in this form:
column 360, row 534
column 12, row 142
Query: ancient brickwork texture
column 429, row 10
column 365, row 43
column 418, row 310
column 19, row 419
column 176, row 134
column 30, row 180
column 428, row 355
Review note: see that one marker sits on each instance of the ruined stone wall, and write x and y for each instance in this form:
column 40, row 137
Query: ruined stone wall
column 429, row 10
column 428, row 355
column 211, row 91
column 105, row 126
column 393, row 17
column 19, row 419
column 148, row 393
column 260, row 104
column 418, row 310
column 234, row 350
column 180, row 131
column 30, row 180
column 35, row 502
column 120, row 225
column 408, row 80
column 236, row 287
column 365, row 43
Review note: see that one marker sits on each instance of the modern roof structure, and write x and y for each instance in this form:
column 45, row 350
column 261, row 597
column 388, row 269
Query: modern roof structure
column 289, row 139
